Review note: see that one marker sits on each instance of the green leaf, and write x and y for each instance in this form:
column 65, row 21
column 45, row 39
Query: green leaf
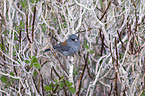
column 21, row 23
column 16, row 38
column 3, row 79
column 27, row 61
column 14, row 52
column 55, row 80
column 33, row 56
column 70, row 84
column 12, row 74
column 32, row 1
column 75, row 73
column 92, row 51
column 67, row 82
column 1, row 46
column 143, row 93
column 34, row 60
column 22, row 3
column 30, row 26
column 56, row 84
column 86, row 46
column 47, row 88
column 37, row 66
column 88, row 61
column 72, row 90
column 61, row 84
column 61, row 78
column 35, row 73
column 51, row 84
column 31, row 65
column 30, row 57
column 36, row 1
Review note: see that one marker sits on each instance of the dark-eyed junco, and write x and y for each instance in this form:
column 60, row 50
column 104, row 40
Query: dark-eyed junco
column 68, row 47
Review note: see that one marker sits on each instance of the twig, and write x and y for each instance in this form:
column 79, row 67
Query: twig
column 34, row 81
column 81, row 76
column 79, row 32
column 63, row 81
column 27, row 28
column 136, row 18
column 119, row 35
column 116, row 52
column 91, row 76
column 59, row 62
column 34, row 16
column 105, row 10
column 144, row 75
column 42, row 84
column 109, row 94
column 102, row 40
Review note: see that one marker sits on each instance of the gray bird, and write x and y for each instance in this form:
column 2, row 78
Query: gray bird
column 68, row 47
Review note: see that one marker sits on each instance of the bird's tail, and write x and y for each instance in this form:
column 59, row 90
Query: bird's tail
column 46, row 50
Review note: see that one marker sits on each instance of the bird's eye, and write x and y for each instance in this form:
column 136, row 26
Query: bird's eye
column 74, row 40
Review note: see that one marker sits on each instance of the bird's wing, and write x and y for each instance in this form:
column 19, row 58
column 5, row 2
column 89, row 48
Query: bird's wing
column 65, row 48
column 59, row 47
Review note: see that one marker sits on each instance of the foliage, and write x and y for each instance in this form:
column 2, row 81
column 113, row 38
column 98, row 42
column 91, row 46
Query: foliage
column 111, row 60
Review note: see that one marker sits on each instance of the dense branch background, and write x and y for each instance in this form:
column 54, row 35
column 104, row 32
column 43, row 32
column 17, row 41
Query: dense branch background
column 110, row 62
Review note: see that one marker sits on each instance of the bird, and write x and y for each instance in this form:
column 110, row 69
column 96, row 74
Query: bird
column 68, row 47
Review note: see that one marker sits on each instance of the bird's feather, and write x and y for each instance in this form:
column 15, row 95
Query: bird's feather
column 59, row 47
